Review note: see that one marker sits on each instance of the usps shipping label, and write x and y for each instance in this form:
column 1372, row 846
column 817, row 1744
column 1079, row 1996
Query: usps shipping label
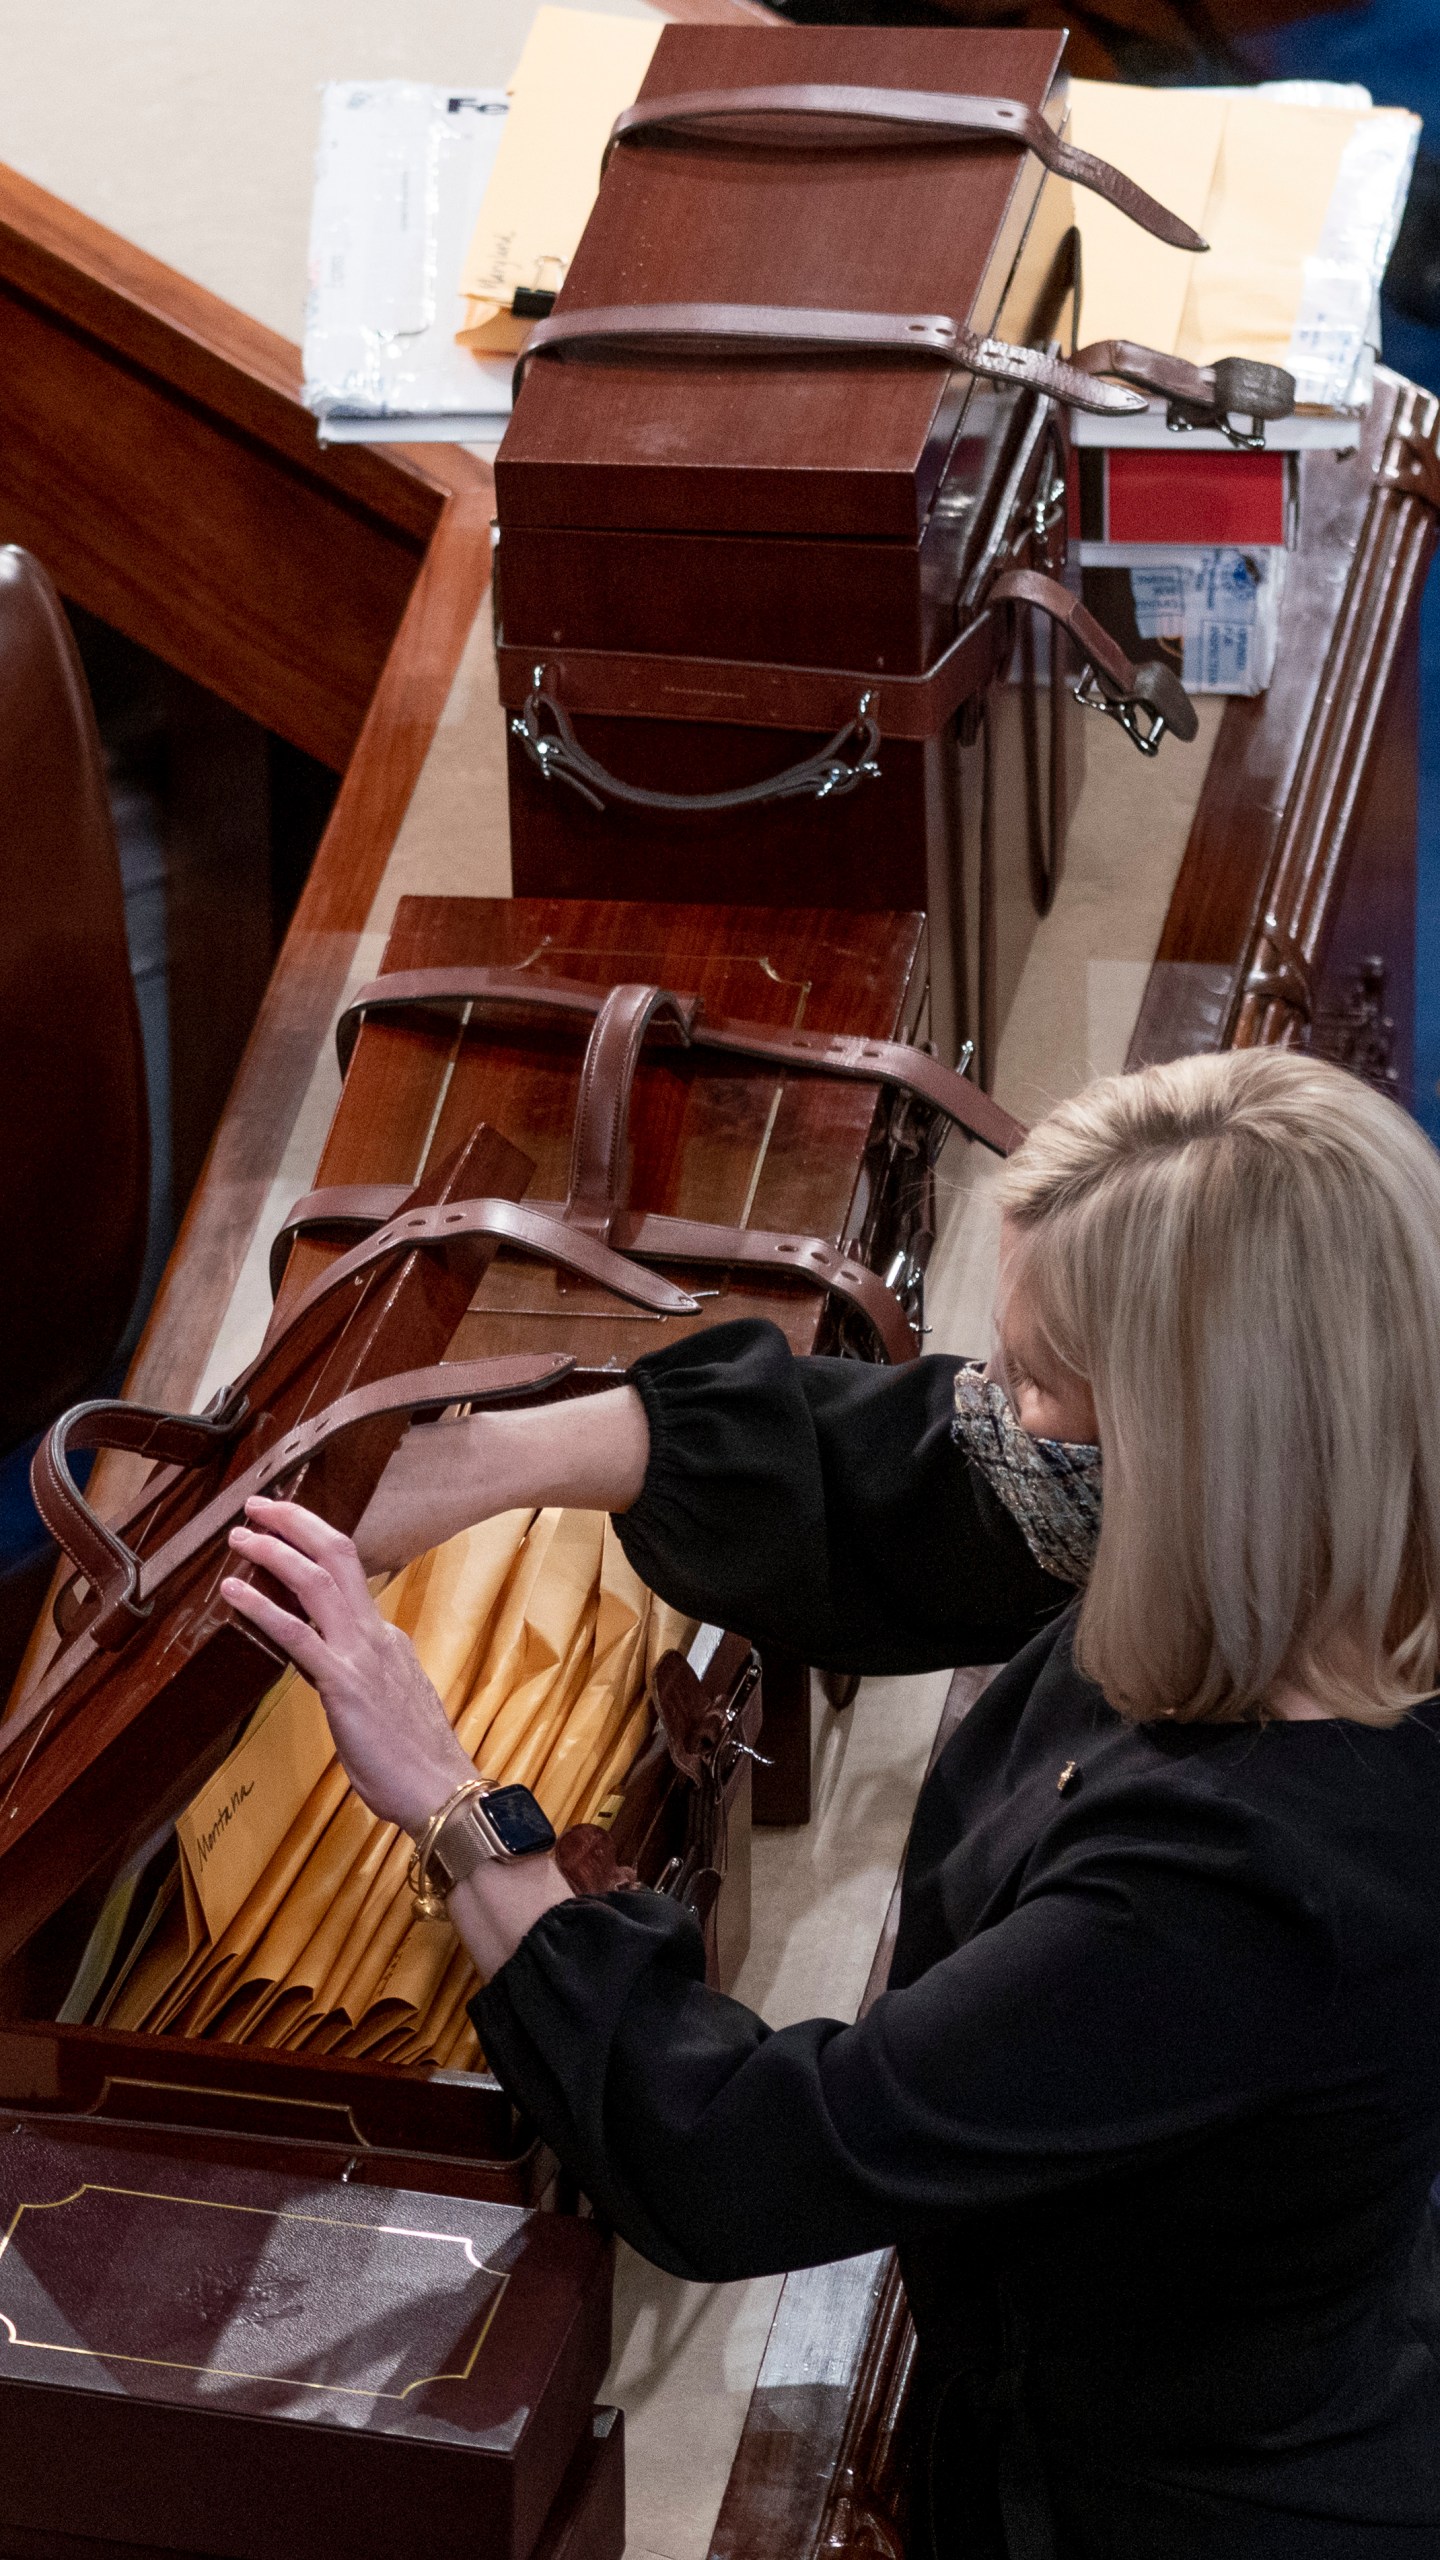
column 1221, row 606
column 400, row 172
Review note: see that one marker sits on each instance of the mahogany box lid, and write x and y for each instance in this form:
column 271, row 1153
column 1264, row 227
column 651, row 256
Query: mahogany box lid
column 227, row 2360
column 734, row 1142
column 799, row 445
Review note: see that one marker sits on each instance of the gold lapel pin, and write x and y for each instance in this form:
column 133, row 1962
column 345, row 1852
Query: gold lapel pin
column 1067, row 1777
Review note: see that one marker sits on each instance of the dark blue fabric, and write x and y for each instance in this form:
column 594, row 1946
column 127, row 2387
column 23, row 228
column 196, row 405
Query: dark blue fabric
column 1391, row 47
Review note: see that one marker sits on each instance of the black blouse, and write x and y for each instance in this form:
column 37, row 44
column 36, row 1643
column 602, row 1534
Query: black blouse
column 1151, row 2107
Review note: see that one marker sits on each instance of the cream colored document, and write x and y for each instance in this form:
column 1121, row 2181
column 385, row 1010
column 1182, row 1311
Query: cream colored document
column 578, row 71
column 1169, row 142
column 1300, row 197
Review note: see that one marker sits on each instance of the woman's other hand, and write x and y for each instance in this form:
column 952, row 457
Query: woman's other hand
column 390, row 1729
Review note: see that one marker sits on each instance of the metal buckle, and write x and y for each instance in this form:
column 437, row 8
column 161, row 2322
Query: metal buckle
column 1127, row 708
column 1183, row 421
column 838, row 777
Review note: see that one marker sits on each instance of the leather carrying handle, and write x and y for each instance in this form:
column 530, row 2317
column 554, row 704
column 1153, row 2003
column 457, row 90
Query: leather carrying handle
column 543, row 730
column 600, row 1136
column 1146, row 700
column 127, row 1584
column 925, row 114
column 774, row 329
column 1212, row 395
column 594, row 1212
column 848, row 1055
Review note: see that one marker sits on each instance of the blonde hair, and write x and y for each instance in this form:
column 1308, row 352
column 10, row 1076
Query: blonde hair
column 1241, row 1254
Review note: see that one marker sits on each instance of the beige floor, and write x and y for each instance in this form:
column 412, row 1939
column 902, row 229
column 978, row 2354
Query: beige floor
column 189, row 126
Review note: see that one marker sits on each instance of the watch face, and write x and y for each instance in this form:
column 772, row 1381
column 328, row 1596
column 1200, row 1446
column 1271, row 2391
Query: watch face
column 517, row 1821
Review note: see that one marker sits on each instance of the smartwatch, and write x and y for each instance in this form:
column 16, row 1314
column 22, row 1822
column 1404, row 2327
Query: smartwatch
column 504, row 1822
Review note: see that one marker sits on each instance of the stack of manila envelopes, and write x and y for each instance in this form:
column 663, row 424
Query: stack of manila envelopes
column 578, row 72
column 287, row 1920
column 1299, row 189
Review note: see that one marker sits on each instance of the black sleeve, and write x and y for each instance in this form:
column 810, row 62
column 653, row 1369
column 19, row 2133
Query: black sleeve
column 1095, row 2026
column 826, row 1506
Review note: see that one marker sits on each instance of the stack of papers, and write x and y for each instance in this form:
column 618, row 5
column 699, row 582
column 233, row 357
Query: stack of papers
column 401, row 172
column 578, row 72
column 1299, row 187
column 434, row 207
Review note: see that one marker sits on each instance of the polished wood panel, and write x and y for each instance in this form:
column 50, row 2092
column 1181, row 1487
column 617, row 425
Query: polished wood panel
column 158, row 457
column 1312, row 783
column 194, row 509
column 781, row 445
column 303, row 994
column 746, row 1146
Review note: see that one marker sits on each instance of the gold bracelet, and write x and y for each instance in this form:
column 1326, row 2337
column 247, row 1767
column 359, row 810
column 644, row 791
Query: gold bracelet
column 430, row 1905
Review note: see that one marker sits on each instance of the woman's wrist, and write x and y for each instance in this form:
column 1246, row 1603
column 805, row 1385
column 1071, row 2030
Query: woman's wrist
column 492, row 1909
column 433, row 1785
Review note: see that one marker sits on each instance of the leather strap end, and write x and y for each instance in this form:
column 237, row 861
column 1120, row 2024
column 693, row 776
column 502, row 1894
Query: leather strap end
column 587, row 1861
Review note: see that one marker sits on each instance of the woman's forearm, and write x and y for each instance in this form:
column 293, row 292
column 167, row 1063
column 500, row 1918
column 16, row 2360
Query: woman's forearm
column 590, row 1455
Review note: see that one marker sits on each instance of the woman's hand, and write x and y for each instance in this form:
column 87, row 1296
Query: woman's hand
column 390, row 1729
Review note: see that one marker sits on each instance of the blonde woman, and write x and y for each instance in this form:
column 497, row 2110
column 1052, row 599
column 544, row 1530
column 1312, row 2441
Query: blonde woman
column 1152, row 2106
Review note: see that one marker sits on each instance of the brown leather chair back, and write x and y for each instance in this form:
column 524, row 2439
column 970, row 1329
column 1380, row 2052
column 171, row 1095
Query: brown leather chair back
column 74, row 1131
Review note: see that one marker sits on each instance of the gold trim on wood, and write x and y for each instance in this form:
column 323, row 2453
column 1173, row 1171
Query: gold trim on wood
column 265, row 2213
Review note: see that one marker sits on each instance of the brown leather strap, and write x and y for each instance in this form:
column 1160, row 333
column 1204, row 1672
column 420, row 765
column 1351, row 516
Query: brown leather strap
column 518, row 1223
column 598, row 1169
column 894, row 1063
column 775, row 329
column 808, row 1260
column 935, row 115
column 621, row 684
column 1217, row 396
column 127, row 1584
column 543, row 730
column 342, row 1209
column 1147, row 700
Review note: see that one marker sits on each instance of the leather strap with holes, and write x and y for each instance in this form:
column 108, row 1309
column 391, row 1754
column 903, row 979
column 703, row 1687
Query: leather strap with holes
column 782, row 329
column 595, row 1206
column 127, row 1584
column 893, row 1063
column 929, row 115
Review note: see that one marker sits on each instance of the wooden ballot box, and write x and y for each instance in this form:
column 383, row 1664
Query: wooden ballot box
column 724, row 1152
column 216, row 2357
column 749, row 581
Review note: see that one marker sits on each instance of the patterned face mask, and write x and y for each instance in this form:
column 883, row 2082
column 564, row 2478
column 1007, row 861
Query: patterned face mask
column 1051, row 1488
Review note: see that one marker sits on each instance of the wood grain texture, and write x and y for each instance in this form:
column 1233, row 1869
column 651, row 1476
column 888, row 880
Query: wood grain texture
column 311, row 973
column 744, row 1146
column 158, row 457
column 752, row 446
column 1313, row 781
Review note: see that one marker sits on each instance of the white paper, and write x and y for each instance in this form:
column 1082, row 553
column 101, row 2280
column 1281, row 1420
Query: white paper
column 1337, row 332
column 401, row 169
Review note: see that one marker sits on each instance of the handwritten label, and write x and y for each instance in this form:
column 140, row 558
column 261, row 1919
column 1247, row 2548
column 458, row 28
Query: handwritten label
column 231, row 1831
